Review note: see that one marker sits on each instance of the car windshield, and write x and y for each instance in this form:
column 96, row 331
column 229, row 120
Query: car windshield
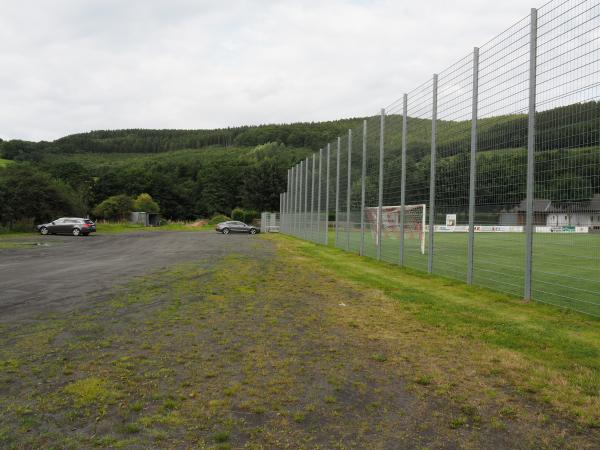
column 88, row 221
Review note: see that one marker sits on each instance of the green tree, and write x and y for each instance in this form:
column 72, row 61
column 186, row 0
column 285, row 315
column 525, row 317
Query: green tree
column 26, row 192
column 144, row 202
column 116, row 207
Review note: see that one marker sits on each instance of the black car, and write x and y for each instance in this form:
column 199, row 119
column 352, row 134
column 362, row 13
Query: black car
column 233, row 226
column 68, row 225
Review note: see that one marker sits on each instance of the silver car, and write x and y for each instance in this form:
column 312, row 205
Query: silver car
column 234, row 226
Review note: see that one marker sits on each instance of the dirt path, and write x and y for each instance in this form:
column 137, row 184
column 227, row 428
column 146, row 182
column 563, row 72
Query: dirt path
column 248, row 347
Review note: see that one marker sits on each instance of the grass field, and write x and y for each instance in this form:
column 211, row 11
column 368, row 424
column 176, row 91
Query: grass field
column 295, row 345
column 4, row 162
column 566, row 266
column 109, row 227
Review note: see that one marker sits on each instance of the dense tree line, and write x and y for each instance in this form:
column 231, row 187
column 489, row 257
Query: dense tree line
column 187, row 184
column 248, row 168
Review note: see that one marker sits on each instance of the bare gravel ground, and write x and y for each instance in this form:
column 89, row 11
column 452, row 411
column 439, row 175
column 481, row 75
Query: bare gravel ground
column 197, row 340
column 57, row 273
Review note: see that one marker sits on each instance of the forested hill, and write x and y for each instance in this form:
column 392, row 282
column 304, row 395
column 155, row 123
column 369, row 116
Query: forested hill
column 567, row 126
column 307, row 135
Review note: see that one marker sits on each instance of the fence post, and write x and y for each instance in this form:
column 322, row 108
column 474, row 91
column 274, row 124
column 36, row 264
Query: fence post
column 473, row 166
column 362, row 189
column 284, row 215
column 306, row 199
column 337, row 191
column 319, row 197
column 432, row 174
column 287, row 200
column 349, row 187
column 530, row 154
column 293, row 200
column 297, row 198
column 280, row 209
column 299, row 209
column 327, row 196
column 403, row 174
column 296, row 168
column 380, row 196
column 312, row 198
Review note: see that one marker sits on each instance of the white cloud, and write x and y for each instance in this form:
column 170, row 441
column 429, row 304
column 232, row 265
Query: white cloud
column 75, row 65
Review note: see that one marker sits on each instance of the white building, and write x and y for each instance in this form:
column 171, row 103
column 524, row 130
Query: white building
column 585, row 214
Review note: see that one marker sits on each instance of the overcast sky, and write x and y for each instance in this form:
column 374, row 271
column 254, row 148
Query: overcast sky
column 70, row 66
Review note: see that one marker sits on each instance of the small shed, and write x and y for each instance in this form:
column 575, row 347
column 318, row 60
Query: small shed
column 145, row 219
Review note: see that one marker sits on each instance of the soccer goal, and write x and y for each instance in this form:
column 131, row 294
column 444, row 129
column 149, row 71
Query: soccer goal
column 414, row 222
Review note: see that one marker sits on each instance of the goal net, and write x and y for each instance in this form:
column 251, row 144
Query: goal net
column 414, row 222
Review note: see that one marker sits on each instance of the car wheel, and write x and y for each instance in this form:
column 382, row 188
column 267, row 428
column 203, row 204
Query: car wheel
column 252, row 230
column 44, row 231
column 76, row 231
column 225, row 231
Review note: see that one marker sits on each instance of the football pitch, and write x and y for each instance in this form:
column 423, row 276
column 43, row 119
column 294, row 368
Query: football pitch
column 566, row 266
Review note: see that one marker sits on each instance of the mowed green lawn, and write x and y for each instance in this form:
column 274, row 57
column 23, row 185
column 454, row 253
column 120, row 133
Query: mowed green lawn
column 566, row 266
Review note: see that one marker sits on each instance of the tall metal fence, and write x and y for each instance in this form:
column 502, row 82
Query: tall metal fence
column 489, row 172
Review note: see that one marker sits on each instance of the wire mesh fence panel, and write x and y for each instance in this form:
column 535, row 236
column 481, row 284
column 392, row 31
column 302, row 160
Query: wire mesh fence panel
column 391, row 204
column 311, row 205
column 324, row 214
column 566, row 250
column 341, row 232
column 299, row 199
column 418, row 159
column 515, row 187
column 295, row 200
column 356, row 157
column 306, row 199
column 371, row 187
column 455, row 95
column 499, row 253
column 329, row 210
column 319, row 197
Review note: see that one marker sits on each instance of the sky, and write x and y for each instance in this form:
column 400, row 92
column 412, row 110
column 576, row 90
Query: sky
column 70, row 66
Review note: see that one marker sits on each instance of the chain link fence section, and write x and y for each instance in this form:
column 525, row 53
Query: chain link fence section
column 488, row 172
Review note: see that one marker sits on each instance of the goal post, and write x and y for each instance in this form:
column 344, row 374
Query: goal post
column 414, row 222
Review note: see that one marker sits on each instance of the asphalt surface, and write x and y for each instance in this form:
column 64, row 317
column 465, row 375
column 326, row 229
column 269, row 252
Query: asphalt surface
column 58, row 273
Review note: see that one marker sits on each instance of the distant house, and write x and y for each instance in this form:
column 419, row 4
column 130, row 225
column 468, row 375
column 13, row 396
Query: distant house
column 542, row 208
column 576, row 214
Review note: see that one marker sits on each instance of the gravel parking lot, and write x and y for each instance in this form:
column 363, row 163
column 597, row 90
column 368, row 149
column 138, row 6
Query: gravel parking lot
column 58, row 273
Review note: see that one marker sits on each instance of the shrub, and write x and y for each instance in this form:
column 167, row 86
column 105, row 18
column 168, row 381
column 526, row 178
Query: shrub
column 23, row 224
column 250, row 215
column 115, row 207
column 244, row 215
column 217, row 218
column 145, row 203
column 238, row 214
